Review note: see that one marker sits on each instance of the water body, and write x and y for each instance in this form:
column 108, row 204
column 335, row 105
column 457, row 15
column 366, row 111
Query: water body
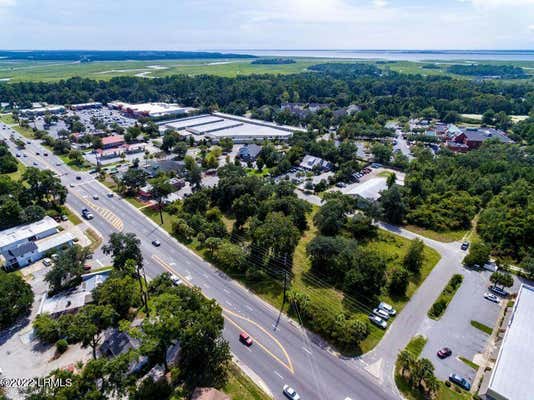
column 399, row 55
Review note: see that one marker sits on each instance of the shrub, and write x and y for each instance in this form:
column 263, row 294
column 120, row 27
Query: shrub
column 61, row 346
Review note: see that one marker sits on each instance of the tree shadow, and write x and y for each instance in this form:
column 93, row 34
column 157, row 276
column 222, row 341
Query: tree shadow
column 8, row 333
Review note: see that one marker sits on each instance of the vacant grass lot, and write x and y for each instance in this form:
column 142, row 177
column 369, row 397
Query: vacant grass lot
column 7, row 119
column 446, row 236
column 18, row 173
column 272, row 291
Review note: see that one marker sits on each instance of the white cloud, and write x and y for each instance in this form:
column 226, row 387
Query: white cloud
column 380, row 3
column 7, row 3
column 531, row 28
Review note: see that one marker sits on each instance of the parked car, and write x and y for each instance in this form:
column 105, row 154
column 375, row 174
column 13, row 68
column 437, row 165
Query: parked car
column 378, row 321
column 54, row 256
column 388, row 308
column 78, row 178
column 491, row 297
column 87, row 267
column 175, row 280
column 64, row 218
column 47, row 262
column 444, row 352
column 460, row 381
column 290, row 393
column 156, row 243
column 18, row 154
column 464, row 245
column 71, row 184
column 500, row 291
column 245, row 339
column 45, row 154
column 381, row 313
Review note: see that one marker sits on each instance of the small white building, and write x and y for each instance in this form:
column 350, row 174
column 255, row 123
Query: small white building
column 25, row 244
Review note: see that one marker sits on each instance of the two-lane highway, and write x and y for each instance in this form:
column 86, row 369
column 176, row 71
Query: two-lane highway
column 282, row 353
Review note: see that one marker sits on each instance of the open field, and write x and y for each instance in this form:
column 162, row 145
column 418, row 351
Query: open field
column 17, row 71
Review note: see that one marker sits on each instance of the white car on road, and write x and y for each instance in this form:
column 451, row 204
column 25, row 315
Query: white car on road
column 290, row 393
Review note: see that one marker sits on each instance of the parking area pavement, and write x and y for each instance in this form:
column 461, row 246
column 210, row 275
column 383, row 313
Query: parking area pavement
column 454, row 329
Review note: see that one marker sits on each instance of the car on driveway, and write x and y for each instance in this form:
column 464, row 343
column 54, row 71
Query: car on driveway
column 444, row 352
column 245, row 339
column 491, row 297
column 291, row 393
column 464, row 245
column 47, row 262
column 500, row 291
column 378, row 321
column 156, row 243
column 381, row 313
column 460, row 381
column 387, row 308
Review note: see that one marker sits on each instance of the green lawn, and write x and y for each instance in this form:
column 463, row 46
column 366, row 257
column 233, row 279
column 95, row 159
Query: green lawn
column 482, row 327
column 72, row 217
column 96, row 240
column 7, row 119
column 469, row 363
column 446, row 236
column 18, row 173
column 26, row 132
column 416, row 345
column 241, row 387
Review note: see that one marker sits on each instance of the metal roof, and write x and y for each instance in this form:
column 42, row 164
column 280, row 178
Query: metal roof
column 22, row 232
column 512, row 378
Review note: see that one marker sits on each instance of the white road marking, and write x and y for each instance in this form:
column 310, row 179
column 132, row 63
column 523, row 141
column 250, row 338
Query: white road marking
column 306, row 350
column 250, row 308
column 206, row 285
column 230, row 304
column 100, row 262
column 226, row 291
column 205, row 275
column 280, row 376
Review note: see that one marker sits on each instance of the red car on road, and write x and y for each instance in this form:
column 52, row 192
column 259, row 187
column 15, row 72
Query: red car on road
column 245, row 339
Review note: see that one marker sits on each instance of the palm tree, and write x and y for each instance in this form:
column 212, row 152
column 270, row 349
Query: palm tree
column 425, row 370
column 406, row 361
column 432, row 386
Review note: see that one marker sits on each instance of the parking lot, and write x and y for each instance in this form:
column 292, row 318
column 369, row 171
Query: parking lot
column 454, row 329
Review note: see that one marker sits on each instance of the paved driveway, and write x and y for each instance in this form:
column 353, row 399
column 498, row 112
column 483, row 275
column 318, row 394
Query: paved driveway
column 454, row 329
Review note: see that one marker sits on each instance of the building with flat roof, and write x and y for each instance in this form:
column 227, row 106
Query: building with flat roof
column 240, row 129
column 25, row 244
column 152, row 110
column 71, row 301
column 512, row 377
column 49, row 109
column 110, row 142
column 310, row 162
column 85, row 106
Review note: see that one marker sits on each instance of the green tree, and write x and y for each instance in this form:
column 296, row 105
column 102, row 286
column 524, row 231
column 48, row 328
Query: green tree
column 230, row 256
column 119, row 291
column 161, row 188
column 502, row 279
column 393, row 207
column 414, row 257
column 399, row 279
column 133, row 179
column 381, row 153
column 478, row 254
column 16, row 299
column 67, row 269
column 331, row 217
column 89, row 324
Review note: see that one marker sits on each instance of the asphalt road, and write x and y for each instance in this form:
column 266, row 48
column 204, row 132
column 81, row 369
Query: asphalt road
column 282, row 353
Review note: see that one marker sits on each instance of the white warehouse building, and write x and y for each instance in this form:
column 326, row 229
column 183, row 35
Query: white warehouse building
column 25, row 244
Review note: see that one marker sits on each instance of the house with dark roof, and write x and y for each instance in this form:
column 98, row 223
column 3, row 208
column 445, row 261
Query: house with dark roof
column 249, row 152
column 474, row 137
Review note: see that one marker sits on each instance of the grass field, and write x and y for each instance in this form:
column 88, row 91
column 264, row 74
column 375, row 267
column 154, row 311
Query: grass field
column 18, row 173
column 7, row 119
column 17, row 71
column 446, row 236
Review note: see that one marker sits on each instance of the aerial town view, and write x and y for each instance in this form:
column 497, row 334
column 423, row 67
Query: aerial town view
column 253, row 200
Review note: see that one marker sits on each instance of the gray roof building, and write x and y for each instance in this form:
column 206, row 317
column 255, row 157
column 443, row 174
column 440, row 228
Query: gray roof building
column 512, row 377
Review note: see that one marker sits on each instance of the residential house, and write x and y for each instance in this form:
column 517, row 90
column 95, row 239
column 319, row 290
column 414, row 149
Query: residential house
column 315, row 163
column 472, row 138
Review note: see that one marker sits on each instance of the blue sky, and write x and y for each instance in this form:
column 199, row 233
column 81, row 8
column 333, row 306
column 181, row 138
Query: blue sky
column 266, row 24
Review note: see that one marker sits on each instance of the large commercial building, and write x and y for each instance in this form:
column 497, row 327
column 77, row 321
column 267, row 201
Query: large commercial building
column 512, row 377
column 240, row 129
column 49, row 109
column 25, row 244
column 152, row 110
